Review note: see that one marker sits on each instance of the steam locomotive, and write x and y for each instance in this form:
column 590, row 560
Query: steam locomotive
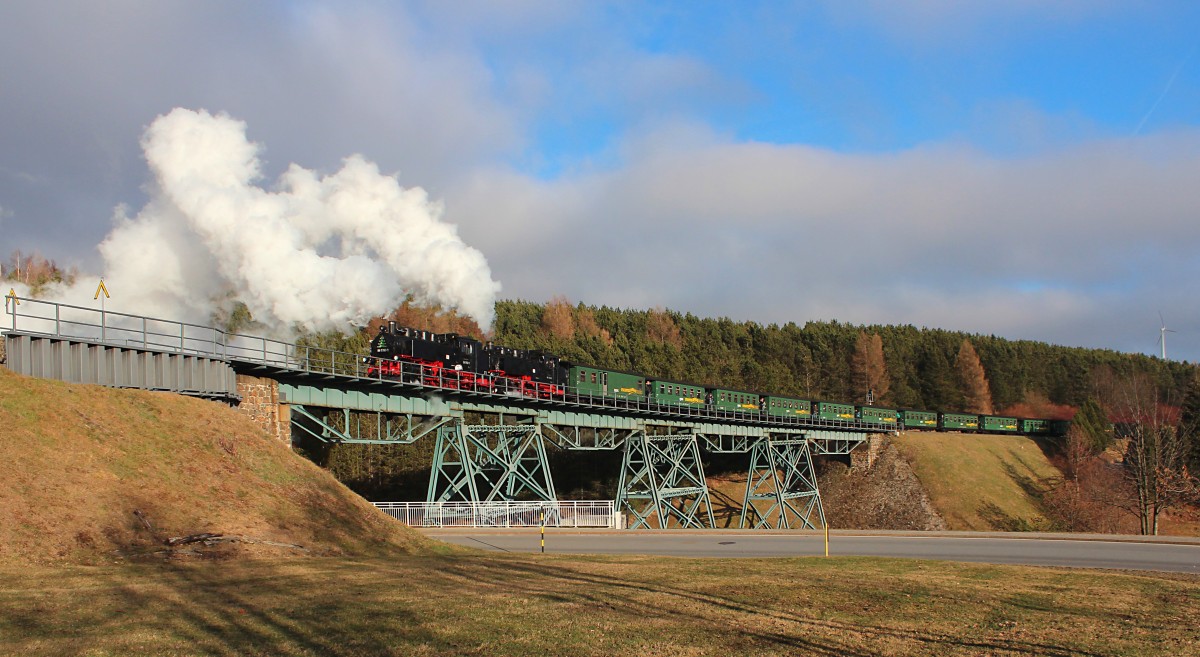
column 452, row 361
column 449, row 360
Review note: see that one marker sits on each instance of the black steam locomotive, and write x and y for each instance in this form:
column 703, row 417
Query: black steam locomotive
column 449, row 360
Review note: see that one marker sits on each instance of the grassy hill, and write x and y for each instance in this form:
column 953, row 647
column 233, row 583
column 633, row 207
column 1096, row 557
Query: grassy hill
column 92, row 474
column 982, row 482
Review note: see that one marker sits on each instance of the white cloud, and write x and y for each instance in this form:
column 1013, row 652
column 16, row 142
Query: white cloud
column 1037, row 246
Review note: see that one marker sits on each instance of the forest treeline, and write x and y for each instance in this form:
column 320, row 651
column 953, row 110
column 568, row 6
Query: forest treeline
column 903, row 366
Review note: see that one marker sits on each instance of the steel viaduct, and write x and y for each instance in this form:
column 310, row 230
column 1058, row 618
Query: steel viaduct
column 489, row 445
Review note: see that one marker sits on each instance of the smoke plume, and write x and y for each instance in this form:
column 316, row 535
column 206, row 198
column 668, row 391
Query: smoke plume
column 316, row 251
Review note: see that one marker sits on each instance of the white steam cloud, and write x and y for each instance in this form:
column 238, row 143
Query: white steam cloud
column 320, row 252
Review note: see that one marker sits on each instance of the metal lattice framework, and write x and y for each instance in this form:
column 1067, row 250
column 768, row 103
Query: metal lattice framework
column 485, row 463
column 662, row 479
column 585, row 438
column 782, row 479
column 365, row 428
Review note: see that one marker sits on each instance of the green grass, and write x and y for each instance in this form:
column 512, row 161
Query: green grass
column 556, row 605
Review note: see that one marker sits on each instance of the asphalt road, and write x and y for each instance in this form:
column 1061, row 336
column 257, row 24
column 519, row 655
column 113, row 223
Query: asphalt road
column 1126, row 553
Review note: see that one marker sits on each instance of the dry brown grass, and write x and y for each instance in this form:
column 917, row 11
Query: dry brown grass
column 559, row 605
column 981, row 482
column 78, row 461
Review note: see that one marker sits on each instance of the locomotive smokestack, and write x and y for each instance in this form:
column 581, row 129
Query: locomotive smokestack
column 392, row 327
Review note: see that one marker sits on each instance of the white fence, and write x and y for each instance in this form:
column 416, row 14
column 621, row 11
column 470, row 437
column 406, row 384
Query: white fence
column 503, row 514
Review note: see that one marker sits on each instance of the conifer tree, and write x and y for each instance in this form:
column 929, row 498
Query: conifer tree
column 1094, row 425
column 938, row 389
column 1189, row 420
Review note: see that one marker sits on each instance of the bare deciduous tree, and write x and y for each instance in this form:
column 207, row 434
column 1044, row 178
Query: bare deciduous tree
column 558, row 318
column 976, row 391
column 1076, row 450
column 868, row 367
column 661, row 328
column 36, row 272
column 585, row 323
column 1156, row 456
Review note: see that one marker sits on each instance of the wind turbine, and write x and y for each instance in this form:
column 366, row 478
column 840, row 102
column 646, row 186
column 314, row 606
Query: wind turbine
column 1162, row 334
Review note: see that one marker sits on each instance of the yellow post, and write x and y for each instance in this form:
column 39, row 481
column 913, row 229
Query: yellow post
column 827, row 539
column 542, row 517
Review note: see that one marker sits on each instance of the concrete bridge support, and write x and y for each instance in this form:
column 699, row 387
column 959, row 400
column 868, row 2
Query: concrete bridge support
column 865, row 457
column 263, row 404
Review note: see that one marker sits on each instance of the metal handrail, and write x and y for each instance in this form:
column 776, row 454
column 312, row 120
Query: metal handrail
column 501, row 513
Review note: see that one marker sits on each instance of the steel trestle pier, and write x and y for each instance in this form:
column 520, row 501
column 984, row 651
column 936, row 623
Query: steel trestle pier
column 490, row 445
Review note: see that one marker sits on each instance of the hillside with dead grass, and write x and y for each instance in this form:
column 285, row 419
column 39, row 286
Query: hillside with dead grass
column 982, row 482
column 93, row 474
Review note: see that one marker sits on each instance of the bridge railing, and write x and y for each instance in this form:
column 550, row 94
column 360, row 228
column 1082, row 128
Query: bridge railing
column 569, row 513
column 62, row 320
column 118, row 329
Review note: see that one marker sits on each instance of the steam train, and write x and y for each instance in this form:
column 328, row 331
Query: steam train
column 457, row 362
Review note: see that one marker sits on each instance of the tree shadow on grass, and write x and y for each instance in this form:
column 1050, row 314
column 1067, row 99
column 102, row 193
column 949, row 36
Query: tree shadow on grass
column 727, row 512
column 1033, row 486
column 255, row 607
column 638, row 601
column 472, row 603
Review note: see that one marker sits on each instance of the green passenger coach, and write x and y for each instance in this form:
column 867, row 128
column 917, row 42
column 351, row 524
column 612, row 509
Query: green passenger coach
column 676, row 393
column 788, row 407
column 734, row 400
column 919, row 419
column 1032, row 427
column 596, row 382
column 995, row 423
column 834, row 411
column 960, row 421
column 875, row 415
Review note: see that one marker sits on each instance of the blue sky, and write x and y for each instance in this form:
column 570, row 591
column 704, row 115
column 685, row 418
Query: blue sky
column 1017, row 168
column 875, row 82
